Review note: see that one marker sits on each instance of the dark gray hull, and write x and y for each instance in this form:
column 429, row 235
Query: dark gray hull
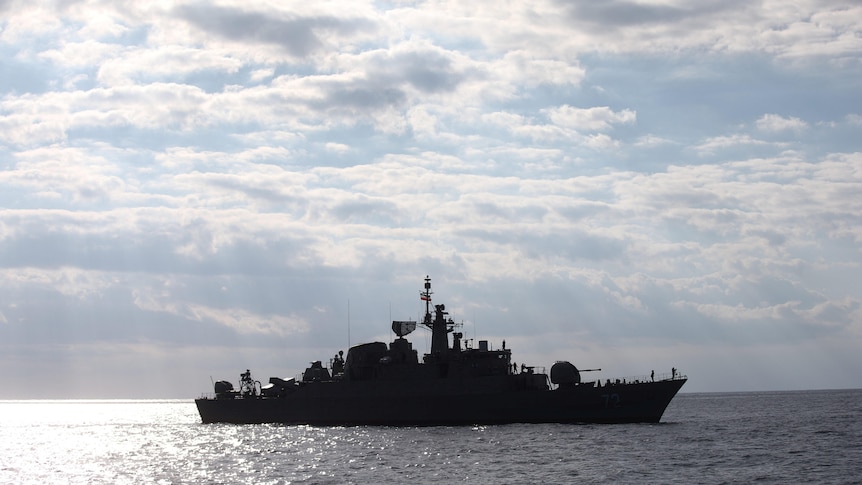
column 445, row 403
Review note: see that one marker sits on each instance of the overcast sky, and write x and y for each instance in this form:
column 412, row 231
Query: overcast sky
column 190, row 189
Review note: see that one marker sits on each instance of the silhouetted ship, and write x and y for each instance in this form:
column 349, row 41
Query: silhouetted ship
column 452, row 385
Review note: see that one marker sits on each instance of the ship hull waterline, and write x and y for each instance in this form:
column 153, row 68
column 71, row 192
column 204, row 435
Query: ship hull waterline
column 332, row 404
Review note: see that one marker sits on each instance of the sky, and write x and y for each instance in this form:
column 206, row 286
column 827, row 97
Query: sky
column 192, row 189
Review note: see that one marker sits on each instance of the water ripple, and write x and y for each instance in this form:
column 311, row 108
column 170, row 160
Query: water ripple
column 706, row 438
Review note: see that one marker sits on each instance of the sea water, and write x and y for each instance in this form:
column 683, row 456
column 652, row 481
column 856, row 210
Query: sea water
column 766, row 437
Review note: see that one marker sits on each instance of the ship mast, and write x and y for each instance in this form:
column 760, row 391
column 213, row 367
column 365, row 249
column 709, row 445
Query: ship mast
column 439, row 326
column 426, row 297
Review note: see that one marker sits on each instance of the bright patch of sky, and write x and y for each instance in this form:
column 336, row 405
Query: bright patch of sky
column 190, row 189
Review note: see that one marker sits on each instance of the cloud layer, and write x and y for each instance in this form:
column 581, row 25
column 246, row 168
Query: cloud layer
column 192, row 189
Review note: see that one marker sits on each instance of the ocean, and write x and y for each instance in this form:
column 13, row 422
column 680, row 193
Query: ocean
column 762, row 437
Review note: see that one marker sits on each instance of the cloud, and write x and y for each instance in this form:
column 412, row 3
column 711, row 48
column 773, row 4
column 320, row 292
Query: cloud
column 626, row 13
column 300, row 36
column 523, row 68
column 48, row 118
column 651, row 141
column 777, row 123
column 239, row 319
column 728, row 141
column 590, row 119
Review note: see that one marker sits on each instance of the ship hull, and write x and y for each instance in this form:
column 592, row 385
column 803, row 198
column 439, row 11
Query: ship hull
column 378, row 403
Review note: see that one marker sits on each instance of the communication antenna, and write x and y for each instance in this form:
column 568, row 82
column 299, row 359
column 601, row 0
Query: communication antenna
column 474, row 324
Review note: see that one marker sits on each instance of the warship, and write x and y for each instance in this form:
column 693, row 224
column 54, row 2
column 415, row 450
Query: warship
column 453, row 384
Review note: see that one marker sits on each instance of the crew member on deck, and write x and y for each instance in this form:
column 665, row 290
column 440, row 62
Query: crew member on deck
column 338, row 363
